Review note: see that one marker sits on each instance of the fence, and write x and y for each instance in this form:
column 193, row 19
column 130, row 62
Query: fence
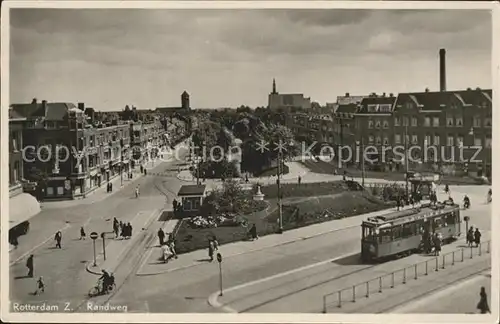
column 402, row 276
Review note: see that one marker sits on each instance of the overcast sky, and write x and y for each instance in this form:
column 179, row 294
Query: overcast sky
column 108, row 58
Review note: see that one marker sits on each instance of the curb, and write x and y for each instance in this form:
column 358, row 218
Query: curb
column 248, row 251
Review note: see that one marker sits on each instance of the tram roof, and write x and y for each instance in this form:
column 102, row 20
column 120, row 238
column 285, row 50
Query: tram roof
column 404, row 216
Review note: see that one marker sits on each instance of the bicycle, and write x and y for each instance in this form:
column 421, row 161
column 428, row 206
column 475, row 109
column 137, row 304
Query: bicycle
column 97, row 289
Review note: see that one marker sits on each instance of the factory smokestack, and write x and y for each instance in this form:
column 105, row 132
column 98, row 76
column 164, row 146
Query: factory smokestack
column 442, row 70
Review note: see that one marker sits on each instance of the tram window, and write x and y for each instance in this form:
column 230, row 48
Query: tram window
column 450, row 218
column 397, row 232
column 409, row 229
column 385, row 235
column 438, row 222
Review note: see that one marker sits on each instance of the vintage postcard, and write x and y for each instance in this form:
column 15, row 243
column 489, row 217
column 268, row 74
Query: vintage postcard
column 249, row 161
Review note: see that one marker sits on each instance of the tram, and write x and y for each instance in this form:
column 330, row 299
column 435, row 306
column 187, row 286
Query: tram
column 400, row 233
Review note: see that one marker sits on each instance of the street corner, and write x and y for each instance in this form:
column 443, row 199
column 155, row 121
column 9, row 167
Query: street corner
column 216, row 301
column 153, row 263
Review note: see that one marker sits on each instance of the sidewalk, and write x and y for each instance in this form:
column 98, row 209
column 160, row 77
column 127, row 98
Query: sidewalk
column 406, row 287
column 151, row 267
column 116, row 249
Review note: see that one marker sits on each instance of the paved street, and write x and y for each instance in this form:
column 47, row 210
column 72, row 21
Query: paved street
column 187, row 290
column 64, row 269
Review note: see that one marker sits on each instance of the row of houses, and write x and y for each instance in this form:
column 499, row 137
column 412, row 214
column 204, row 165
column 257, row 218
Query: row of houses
column 454, row 122
column 63, row 151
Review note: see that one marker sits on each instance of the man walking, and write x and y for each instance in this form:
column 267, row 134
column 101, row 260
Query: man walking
column 477, row 237
column 82, row 233
column 40, row 286
column 161, row 236
column 58, row 238
column 29, row 265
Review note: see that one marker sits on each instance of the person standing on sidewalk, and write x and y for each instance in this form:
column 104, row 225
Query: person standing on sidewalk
column 211, row 250
column 161, row 236
column 83, row 235
column 58, row 238
column 30, row 266
column 483, row 302
column 437, row 244
column 253, row 233
column 470, row 236
column 299, row 180
column 477, row 237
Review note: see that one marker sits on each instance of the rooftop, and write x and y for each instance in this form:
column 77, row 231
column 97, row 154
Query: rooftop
column 192, row 190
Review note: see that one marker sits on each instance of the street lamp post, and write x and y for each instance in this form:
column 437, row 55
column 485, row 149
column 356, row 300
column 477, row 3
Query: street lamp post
column 361, row 143
column 406, row 161
column 280, row 207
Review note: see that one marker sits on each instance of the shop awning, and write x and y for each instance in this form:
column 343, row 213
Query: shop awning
column 21, row 208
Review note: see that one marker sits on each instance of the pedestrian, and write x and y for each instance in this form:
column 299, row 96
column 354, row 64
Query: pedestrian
column 161, row 236
column 246, row 178
column 171, row 246
column 58, row 238
column 40, row 286
column 437, row 244
column 211, row 250
column 483, row 302
column 477, row 237
column 14, row 241
column 398, row 204
column 300, row 180
column 216, row 243
column 116, row 227
column 165, row 253
column 110, row 187
column 30, row 266
column 122, row 229
column 470, row 236
column 82, row 233
column 129, row 231
column 107, row 187
column 253, row 233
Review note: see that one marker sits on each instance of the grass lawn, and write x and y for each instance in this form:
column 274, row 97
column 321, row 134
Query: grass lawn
column 273, row 171
column 321, row 209
column 304, row 189
column 303, row 205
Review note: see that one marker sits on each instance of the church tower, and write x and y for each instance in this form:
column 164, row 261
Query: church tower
column 185, row 101
column 274, row 87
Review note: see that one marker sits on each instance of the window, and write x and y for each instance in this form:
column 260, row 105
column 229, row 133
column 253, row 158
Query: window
column 437, row 140
column 487, row 142
column 377, row 124
column 405, row 121
column 477, row 121
column 386, row 124
column 370, row 124
column 459, row 121
column 414, row 122
column 385, row 235
column 450, row 219
column 428, row 139
column 450, row 140
column 397, row 121
column 372, row 108
column 386, row 140
column 14, row 141
column 478, row 141
column 484, row 105
column 487, row 122
column 438, row 222
column 427, row 121
column 385, row 108
column 379, row 140
column 414, row 139
column 408, row 105
column 435, row 121
column 409, row 229
column 407, row 139
column 397, row 232
column 397, row 139
column 16, row 171
column 370, row 139
column 449, row 121
column 460, row 140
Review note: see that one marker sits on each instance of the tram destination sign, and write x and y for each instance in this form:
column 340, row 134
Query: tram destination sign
column 418, row 217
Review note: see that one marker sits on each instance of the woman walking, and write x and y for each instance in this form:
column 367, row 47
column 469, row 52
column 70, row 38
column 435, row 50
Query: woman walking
column 483, row 302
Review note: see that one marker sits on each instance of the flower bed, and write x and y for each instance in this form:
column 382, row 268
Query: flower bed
column 305, row 189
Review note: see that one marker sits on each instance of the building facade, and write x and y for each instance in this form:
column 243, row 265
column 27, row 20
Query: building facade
column 287, row 102
column 16, row 172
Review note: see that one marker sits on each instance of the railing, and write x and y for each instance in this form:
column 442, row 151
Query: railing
column 402, row 276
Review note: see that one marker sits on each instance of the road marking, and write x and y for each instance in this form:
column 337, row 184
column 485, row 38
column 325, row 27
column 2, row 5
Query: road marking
column 65, row 227
column 213, row 298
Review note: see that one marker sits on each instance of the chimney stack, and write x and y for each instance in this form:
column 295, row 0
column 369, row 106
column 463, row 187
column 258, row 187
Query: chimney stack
column 44, row 104
column 442, row 70
column 81, row 106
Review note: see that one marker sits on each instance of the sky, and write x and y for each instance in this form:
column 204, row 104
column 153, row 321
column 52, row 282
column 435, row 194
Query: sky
column 109, row 58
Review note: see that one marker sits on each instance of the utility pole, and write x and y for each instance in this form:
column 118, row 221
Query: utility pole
column 362, row 161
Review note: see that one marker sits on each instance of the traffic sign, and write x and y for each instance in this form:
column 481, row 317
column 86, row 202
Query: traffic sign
column 94, row 235
column 219, row 257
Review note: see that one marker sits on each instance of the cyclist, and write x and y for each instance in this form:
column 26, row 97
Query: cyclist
column 466, row 202
column 105, row 281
